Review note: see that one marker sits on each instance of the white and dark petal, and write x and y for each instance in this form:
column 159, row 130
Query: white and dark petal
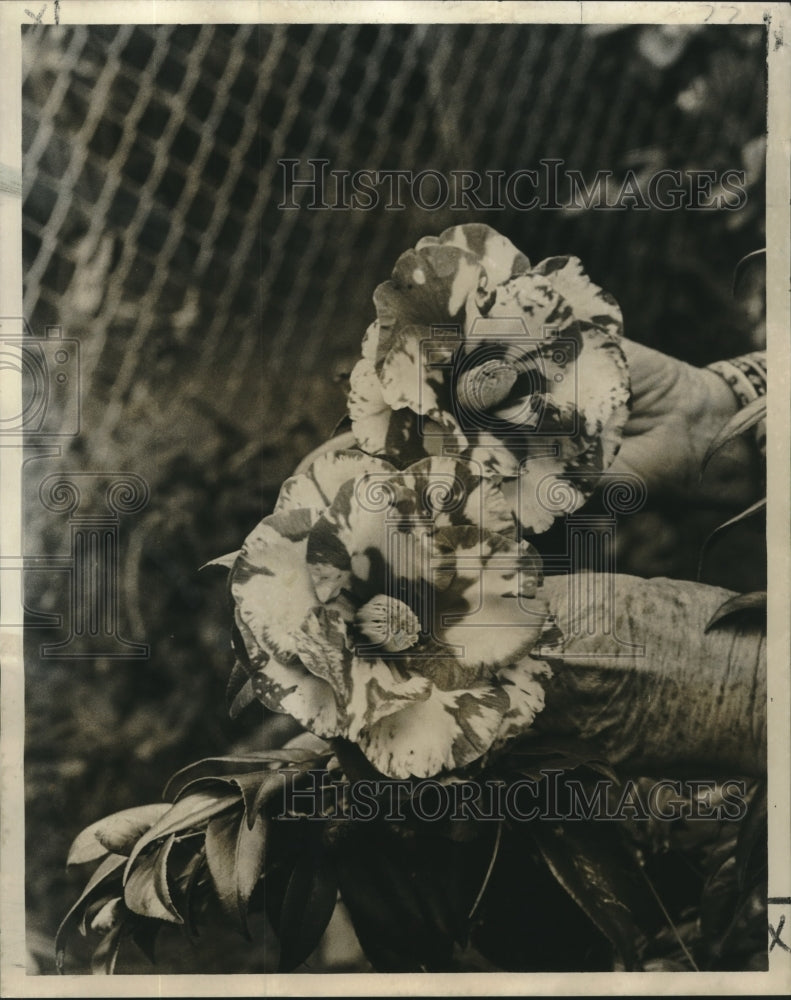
column 542, row 492
column 451, row 491
column 325, row 651
column 291, row 690
column 377, row 691
column 495, row 456
column 602, row 384
column 409, row 381
column 522, row 683
column 369, row 413
column 270, row 582
column 489, row 611
column 328, row 561
column 446, row 730
column 530, row 301
column 428, row 287
column 370, row 343
column 288, row 688
column 589, row 302
column 317, row 486
column 349, row 547
column 498, row 256
column 403, row 373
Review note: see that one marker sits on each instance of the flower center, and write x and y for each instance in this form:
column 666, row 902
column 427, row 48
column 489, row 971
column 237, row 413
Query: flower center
column 486, row 386
column 389, row 623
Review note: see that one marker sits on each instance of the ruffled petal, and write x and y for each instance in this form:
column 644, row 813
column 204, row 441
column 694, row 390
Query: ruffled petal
column 370, row 345
column 452, row 491
column 378, row 691
column 271, row 584
column 447, row 730
column 498, row 256
column 405, row 377
column 487, row 608
column 325, row 652
column 525, row 696
column 532, row 300
column 382, row 430
column 290, row 689
column 544, row 490
column 496, row 456
column 369, row 413
column 316, row 488
column 358, row 542
column 589, row 302
column 428, row 287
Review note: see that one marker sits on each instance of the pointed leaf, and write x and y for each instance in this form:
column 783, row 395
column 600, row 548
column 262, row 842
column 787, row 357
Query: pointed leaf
column 596, row 882
column 239, row 676
column 754, row 601
column 751, row 845
column 739, row 270
column 147, row 892
column 104, row 873
column 248, row 786
column 187, row 814
column 144, row 936
column 268, row 787
column 108, row 916
column 106, row 953
column 307, row 908
column 235, row 854
column 755, row 508
column 244, row 696
column 114, row 834
column 260, row 759
column 227, row 561
column 739, row 423
column 186, row 884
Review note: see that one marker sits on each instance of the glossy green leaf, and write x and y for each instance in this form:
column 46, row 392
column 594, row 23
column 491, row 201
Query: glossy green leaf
column 115, row 834
column 105, row 954
column 754, row 601
column 751, row 511
column 147, row 892
column 109, row 867
column 403, row 903
column 144, row 934
column 244, row 696
column 259, row 760
column 751, row 844
column 190, row 813
column 739, row 423
column 235, row 854
column 595, row 881
column 307, row 908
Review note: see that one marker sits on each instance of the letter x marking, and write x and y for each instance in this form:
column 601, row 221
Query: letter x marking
column 775, row 935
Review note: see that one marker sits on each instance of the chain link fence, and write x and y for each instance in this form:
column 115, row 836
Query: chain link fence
column 215, row 326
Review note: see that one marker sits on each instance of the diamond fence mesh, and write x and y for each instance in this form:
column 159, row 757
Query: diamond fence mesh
column 152, row 187
column 214, row 325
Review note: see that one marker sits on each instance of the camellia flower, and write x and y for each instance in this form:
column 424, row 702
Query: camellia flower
column 516, row 368
column 395, row 609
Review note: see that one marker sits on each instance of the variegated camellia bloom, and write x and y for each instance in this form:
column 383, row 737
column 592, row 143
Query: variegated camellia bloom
column 395, row 609
column 518, row 369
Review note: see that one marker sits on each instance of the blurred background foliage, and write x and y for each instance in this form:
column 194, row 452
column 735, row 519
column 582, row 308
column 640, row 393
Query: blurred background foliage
column 215, row 327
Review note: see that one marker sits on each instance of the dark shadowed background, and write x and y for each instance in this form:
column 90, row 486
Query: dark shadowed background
column 215, row 327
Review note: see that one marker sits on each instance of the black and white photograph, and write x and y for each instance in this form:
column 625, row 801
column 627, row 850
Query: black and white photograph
column 395, row 473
